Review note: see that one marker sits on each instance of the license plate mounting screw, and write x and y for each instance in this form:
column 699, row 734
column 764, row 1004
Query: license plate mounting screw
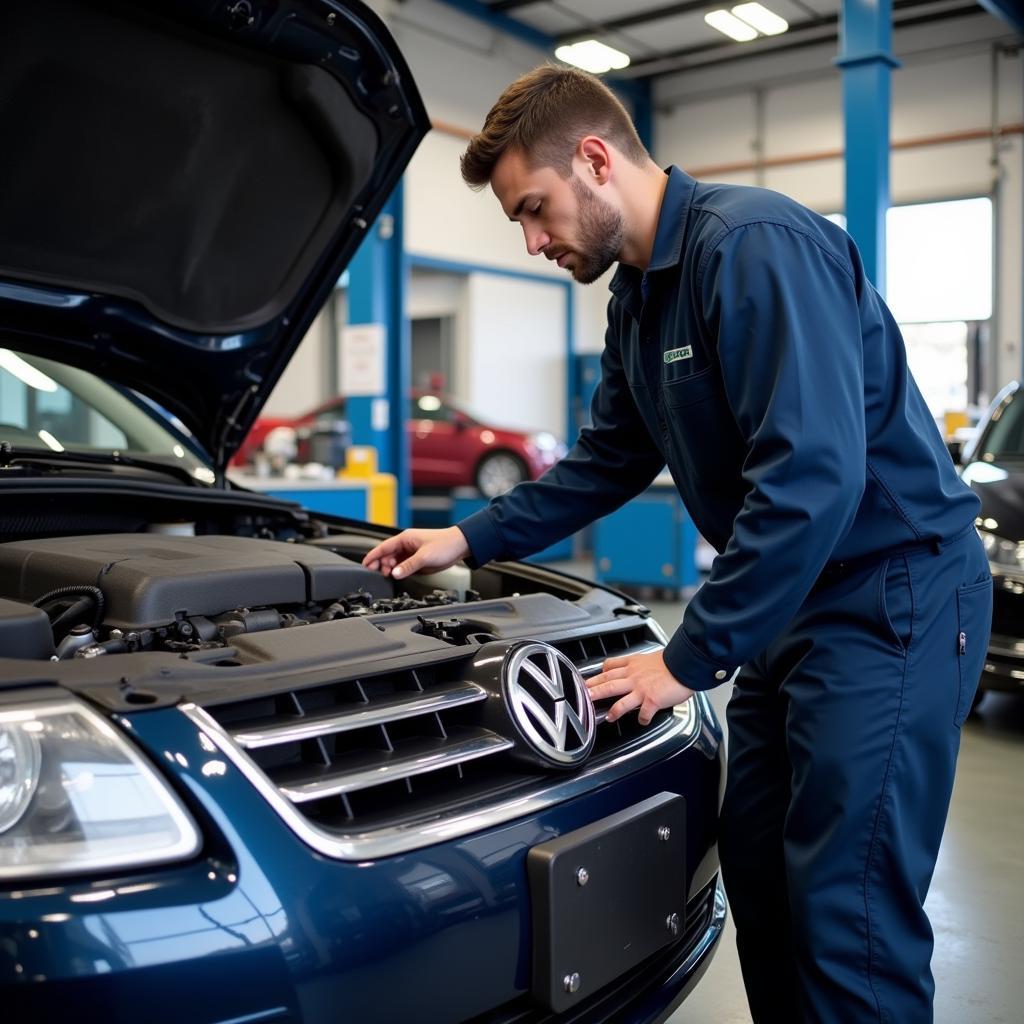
column 672, row 923
column 582, row 876
column 664, row 833
column 572, row 982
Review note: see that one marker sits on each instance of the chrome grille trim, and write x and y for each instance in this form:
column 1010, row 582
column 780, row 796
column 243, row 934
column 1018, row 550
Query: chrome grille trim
column 683, row 726
column 438, row 698
column 439, row 754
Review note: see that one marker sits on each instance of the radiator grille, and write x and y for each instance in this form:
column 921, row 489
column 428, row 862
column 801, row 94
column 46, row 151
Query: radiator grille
column 382, row 750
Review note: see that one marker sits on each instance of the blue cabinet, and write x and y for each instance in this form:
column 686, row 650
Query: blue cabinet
column 650, row 541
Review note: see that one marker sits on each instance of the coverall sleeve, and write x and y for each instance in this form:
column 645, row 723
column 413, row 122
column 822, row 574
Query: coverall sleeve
column 612, row 461
column 783, row 311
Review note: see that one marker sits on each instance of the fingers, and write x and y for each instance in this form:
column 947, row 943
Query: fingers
column 648, row 709
column 409, row 566
column 609, row 684
column 388, row 548
column 623, row 707
column 617, row 662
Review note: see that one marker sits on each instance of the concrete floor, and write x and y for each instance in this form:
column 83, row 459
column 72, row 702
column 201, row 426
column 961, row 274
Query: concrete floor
column 976, row 901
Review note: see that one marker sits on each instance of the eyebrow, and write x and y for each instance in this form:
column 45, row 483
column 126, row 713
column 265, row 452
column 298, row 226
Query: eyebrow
column 514, row 216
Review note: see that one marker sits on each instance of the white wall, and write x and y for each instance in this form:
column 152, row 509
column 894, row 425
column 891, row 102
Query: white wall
column 303, row 383
column 511, row 365
column 709, row 118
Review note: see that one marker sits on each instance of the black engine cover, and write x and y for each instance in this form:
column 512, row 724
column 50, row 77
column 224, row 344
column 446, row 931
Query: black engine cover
column 148, row 579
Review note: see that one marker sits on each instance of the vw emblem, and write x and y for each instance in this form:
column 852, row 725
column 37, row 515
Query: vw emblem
column 549, row 704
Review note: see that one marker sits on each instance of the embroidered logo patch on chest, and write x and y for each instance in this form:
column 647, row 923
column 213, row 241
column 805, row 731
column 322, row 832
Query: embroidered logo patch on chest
column 673, row 355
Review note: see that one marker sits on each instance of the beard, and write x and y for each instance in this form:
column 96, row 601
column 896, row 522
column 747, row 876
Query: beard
column 599, row 234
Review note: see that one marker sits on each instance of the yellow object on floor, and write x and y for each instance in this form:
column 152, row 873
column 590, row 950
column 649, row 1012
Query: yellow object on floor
column 381, row 488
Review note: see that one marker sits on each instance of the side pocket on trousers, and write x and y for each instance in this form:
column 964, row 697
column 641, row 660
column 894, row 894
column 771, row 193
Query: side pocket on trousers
column 896, row 601
column 974, row 624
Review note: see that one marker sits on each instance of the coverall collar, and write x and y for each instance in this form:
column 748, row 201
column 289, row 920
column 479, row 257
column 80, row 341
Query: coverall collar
column 668, row 238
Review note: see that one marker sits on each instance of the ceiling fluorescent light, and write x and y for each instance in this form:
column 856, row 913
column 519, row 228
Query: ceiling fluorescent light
column 593, row 56
column 731, row 26
column 768, row 23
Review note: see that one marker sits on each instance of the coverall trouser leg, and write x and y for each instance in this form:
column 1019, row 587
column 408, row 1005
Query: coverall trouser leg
column 843, row 740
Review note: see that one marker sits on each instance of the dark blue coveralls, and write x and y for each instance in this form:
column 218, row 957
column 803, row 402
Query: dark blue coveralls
column 850, row 588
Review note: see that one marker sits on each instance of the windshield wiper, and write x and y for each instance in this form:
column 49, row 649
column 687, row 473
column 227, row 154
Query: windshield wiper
column 11, row 456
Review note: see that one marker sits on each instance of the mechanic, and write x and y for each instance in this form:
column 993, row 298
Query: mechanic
column 747, row 350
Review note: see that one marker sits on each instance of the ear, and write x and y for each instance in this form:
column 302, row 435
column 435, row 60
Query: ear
column 593, row 159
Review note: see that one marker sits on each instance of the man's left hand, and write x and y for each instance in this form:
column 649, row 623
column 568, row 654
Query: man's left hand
column 643, row 682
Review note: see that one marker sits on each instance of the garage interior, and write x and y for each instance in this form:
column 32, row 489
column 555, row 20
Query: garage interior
column 931, row 185
column 489, row 334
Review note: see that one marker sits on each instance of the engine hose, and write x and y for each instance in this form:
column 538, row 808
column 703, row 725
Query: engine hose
column 95, row 593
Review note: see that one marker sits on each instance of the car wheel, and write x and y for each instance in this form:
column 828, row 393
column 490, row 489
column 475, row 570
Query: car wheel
column 498, row 472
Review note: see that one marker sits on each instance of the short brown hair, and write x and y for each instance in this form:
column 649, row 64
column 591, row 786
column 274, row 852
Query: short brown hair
column 544, row 114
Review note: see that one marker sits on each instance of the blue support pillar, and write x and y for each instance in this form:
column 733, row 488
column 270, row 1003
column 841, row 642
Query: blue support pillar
column 643, row 114
column 377, row 284
column 867, row 62
column 637, row 91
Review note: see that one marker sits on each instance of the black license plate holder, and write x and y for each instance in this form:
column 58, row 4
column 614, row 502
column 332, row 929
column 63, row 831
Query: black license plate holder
column 622, row 913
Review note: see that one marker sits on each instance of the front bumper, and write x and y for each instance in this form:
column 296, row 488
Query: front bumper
column 262, row 928
column 651, row 993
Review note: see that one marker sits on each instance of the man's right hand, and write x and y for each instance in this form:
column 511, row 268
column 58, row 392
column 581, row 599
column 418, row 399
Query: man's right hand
column 418, row 551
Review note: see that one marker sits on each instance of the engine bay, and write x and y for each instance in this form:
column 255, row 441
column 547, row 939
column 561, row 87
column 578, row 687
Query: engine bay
column 122, row 593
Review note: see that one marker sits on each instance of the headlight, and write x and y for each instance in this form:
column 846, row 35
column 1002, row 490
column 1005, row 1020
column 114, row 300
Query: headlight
column 76, row 797
column 19, row 774
column 544, row 442
column 1003, row 552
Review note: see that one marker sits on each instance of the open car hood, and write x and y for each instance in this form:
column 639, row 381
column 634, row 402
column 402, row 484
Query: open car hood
column 183, row 183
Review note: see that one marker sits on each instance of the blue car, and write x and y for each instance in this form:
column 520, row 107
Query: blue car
column 242, row 778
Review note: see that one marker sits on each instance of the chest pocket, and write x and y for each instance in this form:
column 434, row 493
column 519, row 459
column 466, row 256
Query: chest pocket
column 705, row 446
column 680, row 392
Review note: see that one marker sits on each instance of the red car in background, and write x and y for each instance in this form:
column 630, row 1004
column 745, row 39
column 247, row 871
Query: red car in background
column 449, row 447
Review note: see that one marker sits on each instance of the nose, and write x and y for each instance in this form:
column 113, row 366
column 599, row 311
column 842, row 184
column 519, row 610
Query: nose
column 536, row 240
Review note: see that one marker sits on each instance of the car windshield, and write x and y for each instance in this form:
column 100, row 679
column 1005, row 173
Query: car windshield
column 55, row 409
column 1004, row 438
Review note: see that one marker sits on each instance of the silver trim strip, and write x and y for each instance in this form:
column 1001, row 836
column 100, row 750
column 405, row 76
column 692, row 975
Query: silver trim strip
column 711, row 934
column 447, row 756
column 439, row 698
column 680, row 731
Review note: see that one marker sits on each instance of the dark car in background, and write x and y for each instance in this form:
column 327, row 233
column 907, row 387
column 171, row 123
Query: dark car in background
column 448, row 447
column 993, row 466
column 242, row 778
